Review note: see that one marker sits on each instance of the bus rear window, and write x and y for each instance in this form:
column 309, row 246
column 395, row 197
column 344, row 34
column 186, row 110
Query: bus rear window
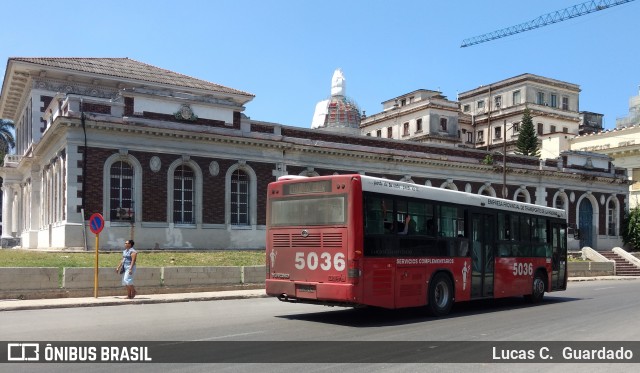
column 316, row 210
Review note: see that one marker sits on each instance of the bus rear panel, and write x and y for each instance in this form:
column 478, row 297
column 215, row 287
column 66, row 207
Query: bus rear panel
column 310, row 256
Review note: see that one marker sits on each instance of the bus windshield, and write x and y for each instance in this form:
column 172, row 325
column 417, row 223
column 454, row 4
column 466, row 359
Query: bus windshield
column 315, row 210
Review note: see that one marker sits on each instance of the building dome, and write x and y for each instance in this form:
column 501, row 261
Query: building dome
column 338, row 113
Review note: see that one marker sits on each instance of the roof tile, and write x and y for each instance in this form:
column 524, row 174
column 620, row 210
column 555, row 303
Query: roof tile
column 131, row 69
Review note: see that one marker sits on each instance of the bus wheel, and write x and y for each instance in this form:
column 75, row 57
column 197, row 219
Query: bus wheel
column 537, row 291
column 440, row 295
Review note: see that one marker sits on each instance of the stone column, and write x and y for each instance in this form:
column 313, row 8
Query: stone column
column 541, row 196
column 7, row 204
column 36, row 211
column 15, row 210
column 280, row 170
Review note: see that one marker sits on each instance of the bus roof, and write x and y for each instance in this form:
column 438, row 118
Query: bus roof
column 291, row 177
column 385, row 186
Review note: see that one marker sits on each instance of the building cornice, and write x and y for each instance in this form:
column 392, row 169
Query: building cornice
column 520, row 79
column 313, row 147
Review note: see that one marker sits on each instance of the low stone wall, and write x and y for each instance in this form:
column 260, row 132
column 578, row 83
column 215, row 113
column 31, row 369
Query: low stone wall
column 178, row 276
column 82, row 278
column 254, row 274
column 588, row 269
column 33, row 283
column 15, row 278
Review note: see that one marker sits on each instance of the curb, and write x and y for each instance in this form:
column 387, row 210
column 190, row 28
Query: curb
column 20, row 305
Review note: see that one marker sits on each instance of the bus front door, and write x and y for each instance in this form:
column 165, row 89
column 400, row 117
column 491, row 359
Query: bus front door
column 482, row 230
column 559, row 256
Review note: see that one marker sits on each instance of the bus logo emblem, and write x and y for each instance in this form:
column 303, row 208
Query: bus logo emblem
column 304, row 233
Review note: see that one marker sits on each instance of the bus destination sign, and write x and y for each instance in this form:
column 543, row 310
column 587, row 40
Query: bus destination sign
column 307, row 187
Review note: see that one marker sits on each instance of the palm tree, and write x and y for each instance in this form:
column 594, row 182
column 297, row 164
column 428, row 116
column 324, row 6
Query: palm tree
column 7, row 141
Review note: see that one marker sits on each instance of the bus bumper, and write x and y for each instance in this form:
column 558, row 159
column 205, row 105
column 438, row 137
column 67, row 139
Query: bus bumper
column 311, row 292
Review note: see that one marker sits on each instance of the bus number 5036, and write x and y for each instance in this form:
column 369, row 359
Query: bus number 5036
column 522, row 269
column 324, row 261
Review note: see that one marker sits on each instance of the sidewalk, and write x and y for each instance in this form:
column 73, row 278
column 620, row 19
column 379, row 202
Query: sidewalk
column 119, row 300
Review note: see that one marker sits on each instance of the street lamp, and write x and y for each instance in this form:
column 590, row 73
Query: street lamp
column 504, row 173
column 504, row 161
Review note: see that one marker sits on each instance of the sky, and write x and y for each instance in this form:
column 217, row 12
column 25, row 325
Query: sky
column 285, row 52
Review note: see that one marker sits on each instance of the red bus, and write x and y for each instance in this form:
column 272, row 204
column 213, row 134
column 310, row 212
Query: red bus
column 355, row 240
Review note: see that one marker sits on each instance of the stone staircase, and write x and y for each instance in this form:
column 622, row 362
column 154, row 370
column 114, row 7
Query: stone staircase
column 623, row 267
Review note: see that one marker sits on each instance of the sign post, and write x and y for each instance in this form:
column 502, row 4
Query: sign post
column 96, row 224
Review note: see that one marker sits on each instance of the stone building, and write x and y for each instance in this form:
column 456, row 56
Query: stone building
column 623, row 146
column 174, row 162
column 633, row 117
column 422, row 115
column 493, row 112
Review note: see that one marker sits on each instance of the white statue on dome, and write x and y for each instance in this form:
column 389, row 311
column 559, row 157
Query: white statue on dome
column 338, row 84
column 338, row 94
column 337, row 89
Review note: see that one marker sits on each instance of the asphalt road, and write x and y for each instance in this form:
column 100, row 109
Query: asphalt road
column 589, row 311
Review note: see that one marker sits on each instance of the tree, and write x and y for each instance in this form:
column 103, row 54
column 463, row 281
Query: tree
column 527, row 139
column 631, row 228
column 7, row 141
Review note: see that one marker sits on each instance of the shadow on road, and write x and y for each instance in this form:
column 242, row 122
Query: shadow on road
column 371, row 317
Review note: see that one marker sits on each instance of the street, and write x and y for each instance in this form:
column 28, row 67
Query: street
column 588, row 311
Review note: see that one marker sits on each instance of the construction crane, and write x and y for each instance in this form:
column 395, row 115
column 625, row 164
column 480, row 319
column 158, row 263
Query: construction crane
column 546, row 19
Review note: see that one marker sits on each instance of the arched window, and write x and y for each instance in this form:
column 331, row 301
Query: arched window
column 309, row 172
column 184, row 192
column 122, row 185
column 183, row 195
column 486, row 192
column 522, row 195
column 121, row 191
column 239, row 198
column 561, row 201
column 449, row 185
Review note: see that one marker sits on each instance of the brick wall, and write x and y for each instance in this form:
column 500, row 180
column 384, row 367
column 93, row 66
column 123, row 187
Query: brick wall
column 264, row 174
column 93, row 179
column 261, row 128
column 96, row 108
column 154, row 185
column 128, row 106
column 45, row 101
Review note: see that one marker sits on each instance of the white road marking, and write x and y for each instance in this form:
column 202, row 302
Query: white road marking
column 227, row 336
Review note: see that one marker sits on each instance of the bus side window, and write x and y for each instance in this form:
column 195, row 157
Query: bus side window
column 373, row 222
column 429, row 228
column 408, row 226
column 386, row 206
column 504, row 250
column 464, row 248
column 374, row 219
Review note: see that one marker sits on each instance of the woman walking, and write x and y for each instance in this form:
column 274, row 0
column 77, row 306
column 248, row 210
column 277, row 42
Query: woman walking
column 128, row 263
